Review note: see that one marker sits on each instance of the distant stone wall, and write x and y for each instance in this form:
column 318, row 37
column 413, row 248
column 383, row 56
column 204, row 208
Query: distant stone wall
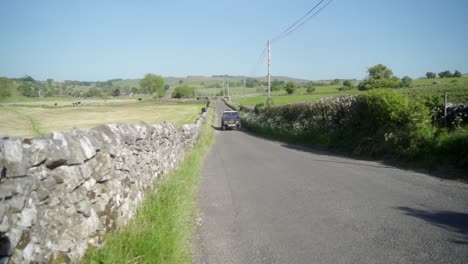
column 62, row 192
column 183, row 100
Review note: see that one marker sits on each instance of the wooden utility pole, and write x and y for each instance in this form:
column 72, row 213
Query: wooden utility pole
column 223, row 87
column 269, row 64
column 228, row 92
column 243, row 93
column 445, row 109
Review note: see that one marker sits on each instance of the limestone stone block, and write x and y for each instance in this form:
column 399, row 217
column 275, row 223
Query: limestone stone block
column 58, row 153
column 37, row 149
column 16, row 204
column 27, row 217
column 12, row 157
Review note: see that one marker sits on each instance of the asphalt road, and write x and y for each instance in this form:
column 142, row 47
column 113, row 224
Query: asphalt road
column 263, row 201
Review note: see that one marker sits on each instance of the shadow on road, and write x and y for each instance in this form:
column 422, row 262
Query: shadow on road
column 453, row 221
column 216, row 128
column 220, row 129
column 439, row 172
column 320, row 152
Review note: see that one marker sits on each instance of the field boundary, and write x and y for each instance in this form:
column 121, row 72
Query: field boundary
column 164, row 224
column 63, row 192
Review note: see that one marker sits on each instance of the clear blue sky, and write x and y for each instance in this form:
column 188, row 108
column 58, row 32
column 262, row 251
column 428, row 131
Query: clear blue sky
column 100, row 40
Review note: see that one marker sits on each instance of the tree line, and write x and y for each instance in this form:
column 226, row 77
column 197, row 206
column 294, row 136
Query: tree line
column 443, row 74
column 379, row 76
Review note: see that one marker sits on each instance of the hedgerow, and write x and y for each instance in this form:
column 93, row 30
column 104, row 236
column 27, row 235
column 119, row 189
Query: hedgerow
column 377, row 123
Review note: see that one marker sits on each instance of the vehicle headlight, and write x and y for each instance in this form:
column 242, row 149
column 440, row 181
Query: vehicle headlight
column 237, row 121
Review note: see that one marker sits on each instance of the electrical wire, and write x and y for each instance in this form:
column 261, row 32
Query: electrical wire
column 293, row 27
column 298, row 23
column 295, row 23
column 259, row 61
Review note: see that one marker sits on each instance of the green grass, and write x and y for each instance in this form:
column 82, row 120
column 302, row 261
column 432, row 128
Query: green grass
column 162, row 230
column 457, row 89
column 322, row 89
column 234, row 91
column 31, row 119
column 286, row 99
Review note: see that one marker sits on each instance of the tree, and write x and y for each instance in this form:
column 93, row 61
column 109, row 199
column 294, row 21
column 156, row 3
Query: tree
column 49, row 93
column 76, row 93
column 93, row 92
column 380, row 71
column 457, row 74
column 277, row 85
column 116, row 92
column 290, row 87
column 181, row 81
column 379, row 76
column 431, row 75
column 445, row 74
column 406, row 81
column 310, row 87
column 134, row 90
column 166, row 87
column 250, row 83
column 26, row 78
column 336, row 82
column 184, row 91
column 153, row 84
column 6, row 85
column 348, row 84
column 27, row 90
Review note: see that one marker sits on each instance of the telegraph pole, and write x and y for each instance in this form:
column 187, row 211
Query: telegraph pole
column 228, row 93
column 269, row 64
column 445, row 109
column 243, row 93
column 223, row 87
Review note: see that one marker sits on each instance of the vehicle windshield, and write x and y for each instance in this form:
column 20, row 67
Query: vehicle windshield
column 231, row 114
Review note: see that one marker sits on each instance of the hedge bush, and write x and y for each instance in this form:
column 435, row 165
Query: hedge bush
column 377, row 123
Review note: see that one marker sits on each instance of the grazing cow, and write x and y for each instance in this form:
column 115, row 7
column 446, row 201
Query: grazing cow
column 55, row 104
column 139, row 99
column 458, row 112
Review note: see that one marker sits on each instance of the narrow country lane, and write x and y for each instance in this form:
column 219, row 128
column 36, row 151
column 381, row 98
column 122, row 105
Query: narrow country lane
column 263, row 201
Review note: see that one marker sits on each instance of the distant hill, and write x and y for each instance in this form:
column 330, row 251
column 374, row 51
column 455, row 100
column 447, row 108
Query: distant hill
column 205, row 80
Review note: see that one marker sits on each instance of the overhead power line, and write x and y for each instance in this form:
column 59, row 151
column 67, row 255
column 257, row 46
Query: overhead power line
column 322, row 4
column 304, row 19
column 260, row 60
column 299, row 20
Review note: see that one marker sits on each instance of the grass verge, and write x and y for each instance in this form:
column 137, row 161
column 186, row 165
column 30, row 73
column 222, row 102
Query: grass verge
column 162, row 229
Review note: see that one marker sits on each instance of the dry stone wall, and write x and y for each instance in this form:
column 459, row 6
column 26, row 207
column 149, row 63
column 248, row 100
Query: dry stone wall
column 62, row 192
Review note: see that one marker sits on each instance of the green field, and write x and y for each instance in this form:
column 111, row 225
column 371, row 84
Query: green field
column 286, row 99
column 31, row 119
column 456, row 88
column 202, row 83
